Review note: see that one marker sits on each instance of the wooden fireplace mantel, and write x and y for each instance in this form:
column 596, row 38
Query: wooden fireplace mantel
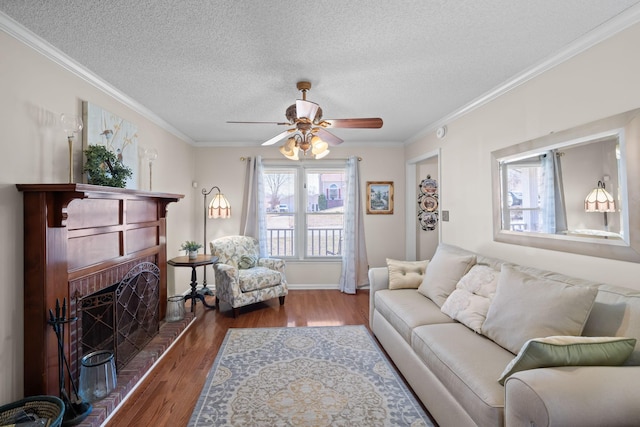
column 77, row 236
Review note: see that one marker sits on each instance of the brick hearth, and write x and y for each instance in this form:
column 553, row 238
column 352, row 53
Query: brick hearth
column 136, row 369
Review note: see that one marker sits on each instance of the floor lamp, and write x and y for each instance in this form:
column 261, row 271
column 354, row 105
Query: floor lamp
column 218, row 208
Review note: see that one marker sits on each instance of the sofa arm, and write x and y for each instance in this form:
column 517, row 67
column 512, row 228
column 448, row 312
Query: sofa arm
column 378, row 279
column 573, row 396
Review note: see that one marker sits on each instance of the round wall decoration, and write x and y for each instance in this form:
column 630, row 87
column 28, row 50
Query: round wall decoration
column 428, row 204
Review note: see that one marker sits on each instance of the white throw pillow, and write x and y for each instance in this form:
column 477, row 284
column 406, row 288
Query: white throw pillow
column 527, row 307
column 469, row 302
column 444, row 271
column 405, row 274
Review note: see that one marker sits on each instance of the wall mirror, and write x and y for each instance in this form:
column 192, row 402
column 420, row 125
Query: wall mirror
column 574, row 191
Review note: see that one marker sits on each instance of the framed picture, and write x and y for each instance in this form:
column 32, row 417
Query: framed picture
column 379, row 197
column 119, row 136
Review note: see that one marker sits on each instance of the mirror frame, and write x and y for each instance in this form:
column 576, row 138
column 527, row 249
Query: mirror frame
column 627, row 249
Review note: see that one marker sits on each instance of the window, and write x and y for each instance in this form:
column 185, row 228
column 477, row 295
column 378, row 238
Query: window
column 304, row 210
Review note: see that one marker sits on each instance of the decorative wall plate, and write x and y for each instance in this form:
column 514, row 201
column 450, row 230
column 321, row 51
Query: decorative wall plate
column 429, row 203
column 428, row 186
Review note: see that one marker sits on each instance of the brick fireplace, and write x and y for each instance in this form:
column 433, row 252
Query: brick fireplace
column 80, row 239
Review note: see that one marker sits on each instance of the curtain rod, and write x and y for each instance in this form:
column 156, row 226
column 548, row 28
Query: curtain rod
column 242, row 159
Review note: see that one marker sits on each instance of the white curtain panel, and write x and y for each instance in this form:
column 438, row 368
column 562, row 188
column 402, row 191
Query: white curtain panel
column 255, row 221
column 354, row 250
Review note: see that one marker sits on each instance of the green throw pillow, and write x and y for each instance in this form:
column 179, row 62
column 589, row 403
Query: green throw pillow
column 246, row 262
column 570, row 351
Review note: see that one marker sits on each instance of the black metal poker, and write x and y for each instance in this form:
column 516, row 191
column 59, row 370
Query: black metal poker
column 78, row 410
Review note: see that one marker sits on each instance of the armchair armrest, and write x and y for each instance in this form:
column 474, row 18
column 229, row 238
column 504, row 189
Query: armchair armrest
column 573, row 396
column 378, row 280
column 277, row 264
column 228, row 270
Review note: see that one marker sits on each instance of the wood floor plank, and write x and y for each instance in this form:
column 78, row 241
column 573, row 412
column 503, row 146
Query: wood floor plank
column 170, row 392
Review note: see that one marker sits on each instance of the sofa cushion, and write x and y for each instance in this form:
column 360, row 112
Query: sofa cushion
column 444, row 271
column 469, row 302
column 526, row 307
column 616, row 312
column 405, row 274
column 570, row 351
column 467, row 364
column 405, row 309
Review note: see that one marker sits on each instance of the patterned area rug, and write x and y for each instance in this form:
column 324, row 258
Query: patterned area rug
column 304, row 376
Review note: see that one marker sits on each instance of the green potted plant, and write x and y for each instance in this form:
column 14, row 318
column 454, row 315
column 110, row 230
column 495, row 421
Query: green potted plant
column 191, row 247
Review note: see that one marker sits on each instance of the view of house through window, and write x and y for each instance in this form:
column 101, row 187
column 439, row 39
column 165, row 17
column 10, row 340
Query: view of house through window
column 304, row 211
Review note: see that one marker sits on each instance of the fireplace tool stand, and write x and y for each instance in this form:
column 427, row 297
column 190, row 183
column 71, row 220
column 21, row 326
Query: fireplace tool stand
column 75, row 411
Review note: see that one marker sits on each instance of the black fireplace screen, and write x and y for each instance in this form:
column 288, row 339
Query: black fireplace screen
column 122, row 318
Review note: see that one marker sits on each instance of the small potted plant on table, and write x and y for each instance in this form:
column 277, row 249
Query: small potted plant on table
column 191, row 247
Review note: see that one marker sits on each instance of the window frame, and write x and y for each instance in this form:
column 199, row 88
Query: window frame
column 300, row 212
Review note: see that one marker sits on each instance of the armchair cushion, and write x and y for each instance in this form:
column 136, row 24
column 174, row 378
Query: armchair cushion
column 255, row 278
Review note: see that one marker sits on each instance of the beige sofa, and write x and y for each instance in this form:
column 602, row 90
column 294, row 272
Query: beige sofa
column 454, row 367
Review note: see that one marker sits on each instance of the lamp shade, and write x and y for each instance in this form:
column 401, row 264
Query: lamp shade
column 599, row 200
column 219, row 207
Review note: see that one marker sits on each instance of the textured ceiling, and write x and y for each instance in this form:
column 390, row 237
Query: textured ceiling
column 197, row 64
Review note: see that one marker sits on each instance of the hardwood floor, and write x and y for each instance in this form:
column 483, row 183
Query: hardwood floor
column 169, row 393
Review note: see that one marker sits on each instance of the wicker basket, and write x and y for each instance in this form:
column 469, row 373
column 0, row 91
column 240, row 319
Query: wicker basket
column 43, row 406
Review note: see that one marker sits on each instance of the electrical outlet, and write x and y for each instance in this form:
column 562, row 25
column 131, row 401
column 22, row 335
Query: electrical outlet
column 445, row 215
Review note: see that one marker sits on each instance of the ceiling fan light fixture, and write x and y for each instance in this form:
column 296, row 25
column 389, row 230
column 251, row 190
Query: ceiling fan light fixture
column 322, row 154
column 289, row 149
column 319, row 147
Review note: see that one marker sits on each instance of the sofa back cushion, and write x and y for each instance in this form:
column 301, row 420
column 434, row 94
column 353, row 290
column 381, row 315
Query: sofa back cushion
column 444, row 270
column 526, row 307
column 616, row 312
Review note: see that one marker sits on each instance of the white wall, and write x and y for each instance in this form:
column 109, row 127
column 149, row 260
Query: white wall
column 598, row 83
column 34, row 91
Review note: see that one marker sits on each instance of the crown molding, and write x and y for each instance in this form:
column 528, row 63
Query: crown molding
column 27, row 37
column 621, row 22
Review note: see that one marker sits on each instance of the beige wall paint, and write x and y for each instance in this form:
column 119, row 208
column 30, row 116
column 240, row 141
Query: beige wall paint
column 598, row 83
column 34, row 150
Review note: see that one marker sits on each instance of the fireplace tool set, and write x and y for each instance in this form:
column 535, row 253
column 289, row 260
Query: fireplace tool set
column 77, row 410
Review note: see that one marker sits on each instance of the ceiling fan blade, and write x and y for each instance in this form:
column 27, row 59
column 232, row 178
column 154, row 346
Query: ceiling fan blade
column 306, row 109
column 372, row 123
column 278, row 137
column 327, row 136
column 263, row 123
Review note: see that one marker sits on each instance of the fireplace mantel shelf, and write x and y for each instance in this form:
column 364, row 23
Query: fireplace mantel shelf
column 60, row 195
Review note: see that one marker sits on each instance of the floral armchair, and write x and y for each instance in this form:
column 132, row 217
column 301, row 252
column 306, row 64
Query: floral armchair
column 242, row 277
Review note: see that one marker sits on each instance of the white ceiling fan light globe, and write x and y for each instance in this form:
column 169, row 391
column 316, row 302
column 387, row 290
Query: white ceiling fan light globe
column 323, row 154
column 319, row 147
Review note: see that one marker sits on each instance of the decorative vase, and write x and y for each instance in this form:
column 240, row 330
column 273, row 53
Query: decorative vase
column 97, row 375
column 193, row 254
column 175, row 309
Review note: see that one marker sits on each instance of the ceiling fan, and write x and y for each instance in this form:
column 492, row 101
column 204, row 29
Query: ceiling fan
column 309, row 129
